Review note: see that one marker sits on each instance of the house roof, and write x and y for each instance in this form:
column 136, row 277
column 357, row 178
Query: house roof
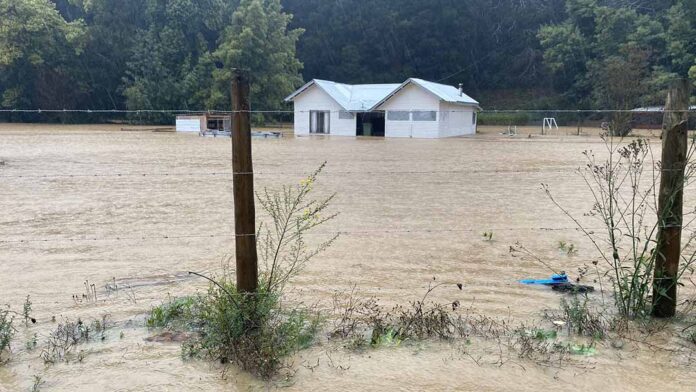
column 365, row 97
column 356, row 97
column 443, row 92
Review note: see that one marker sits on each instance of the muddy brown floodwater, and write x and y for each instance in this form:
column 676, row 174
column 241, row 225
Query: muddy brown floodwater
column 411, row 209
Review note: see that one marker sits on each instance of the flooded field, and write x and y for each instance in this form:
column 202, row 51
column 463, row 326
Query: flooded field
column 94, row 205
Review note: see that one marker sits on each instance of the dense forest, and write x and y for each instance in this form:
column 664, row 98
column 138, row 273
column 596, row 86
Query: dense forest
column 178, row 54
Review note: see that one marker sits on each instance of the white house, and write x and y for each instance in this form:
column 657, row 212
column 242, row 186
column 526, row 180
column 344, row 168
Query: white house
column 415, row 108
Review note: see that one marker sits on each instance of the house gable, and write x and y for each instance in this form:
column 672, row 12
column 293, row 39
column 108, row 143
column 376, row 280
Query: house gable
column 410, row 97
column 441, row 92
column 315, row 93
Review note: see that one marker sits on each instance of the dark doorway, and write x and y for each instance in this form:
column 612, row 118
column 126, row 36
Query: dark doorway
column 370, row 124
column 319, row 122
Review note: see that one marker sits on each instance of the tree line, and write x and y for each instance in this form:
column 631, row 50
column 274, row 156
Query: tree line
column 179, row 54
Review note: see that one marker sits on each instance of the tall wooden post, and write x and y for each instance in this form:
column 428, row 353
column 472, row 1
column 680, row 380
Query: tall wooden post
column 243, row 182
column 670, row 206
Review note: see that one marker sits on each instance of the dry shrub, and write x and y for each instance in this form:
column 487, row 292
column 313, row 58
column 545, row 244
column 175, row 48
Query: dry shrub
column 364, row 322
column 68, row 335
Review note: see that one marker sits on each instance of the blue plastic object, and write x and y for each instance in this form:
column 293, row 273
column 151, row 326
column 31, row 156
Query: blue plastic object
column 555, row 280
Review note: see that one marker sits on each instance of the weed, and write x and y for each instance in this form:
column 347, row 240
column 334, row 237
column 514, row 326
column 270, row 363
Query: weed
column 624, row 200
column 63, row 340
column 537, row 345
column 257, row 331
column 171, row 314
column 543, row 334
column 89, row 296
column 582, row 349
column 7, row 331
column 293, row 213
column 568, row 248
column 32, row 343
column 363, row 322
column 26, row 312
column 38, row 382
column 580, row 318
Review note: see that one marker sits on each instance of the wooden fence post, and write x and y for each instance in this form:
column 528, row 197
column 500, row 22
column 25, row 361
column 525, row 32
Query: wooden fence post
column 243, row 183
column 670, row 206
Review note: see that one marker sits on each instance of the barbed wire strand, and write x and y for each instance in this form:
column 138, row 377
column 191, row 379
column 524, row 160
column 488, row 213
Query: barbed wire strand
column 326, row 233
column 304, row 173
column 286, row 173
column 213, row 112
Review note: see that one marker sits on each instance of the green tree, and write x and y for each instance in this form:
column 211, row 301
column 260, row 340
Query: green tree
column 613, row 54
column 112, row 32
column 171, row 65
column 681, row 33
column 258, row 40
column 39, row 54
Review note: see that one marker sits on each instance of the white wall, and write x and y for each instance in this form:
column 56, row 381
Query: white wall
column 314, row 98
column 190, row 123
column 456, row 120
column 411, row 98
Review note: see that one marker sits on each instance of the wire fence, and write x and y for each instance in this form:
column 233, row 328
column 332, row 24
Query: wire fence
column 209, row 111
column 315, row 233
column 289, row 115
column 286, row 173
column 285, row 119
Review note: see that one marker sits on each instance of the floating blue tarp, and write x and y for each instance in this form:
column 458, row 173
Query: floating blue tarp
column 556, row 279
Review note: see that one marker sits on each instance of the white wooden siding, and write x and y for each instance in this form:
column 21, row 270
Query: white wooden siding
column 190, row 123
column 412, row 98
column 314, row 98
column 456, row 120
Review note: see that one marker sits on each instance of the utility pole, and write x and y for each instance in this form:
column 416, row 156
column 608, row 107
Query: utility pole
column 671, row 199
column 243, row 183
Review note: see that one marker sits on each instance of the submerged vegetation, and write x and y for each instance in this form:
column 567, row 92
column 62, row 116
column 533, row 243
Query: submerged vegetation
column 7, row 331
column 625, row 190
column 363, row 322
column 65, row 339
column 255, row 334
column 258, row 331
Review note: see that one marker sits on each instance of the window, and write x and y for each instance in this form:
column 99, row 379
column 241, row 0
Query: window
column 423, row 115
column 473, row 118
column 398, row 115
column 345, row 115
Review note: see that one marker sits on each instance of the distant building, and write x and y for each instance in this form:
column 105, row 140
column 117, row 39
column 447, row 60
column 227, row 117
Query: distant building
column 415, row 109
column 201, row 122
column 651, row 117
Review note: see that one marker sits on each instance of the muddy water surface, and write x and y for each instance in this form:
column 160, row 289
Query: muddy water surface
column 411, row 210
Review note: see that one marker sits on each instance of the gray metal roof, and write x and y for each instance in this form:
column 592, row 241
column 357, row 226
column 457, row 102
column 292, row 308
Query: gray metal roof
column 365, row 97
column 352, row 97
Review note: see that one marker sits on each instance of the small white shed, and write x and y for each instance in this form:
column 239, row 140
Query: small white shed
column 413, row 109
column 200, row 122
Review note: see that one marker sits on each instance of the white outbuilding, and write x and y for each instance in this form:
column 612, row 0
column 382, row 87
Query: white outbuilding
column 414, row 109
